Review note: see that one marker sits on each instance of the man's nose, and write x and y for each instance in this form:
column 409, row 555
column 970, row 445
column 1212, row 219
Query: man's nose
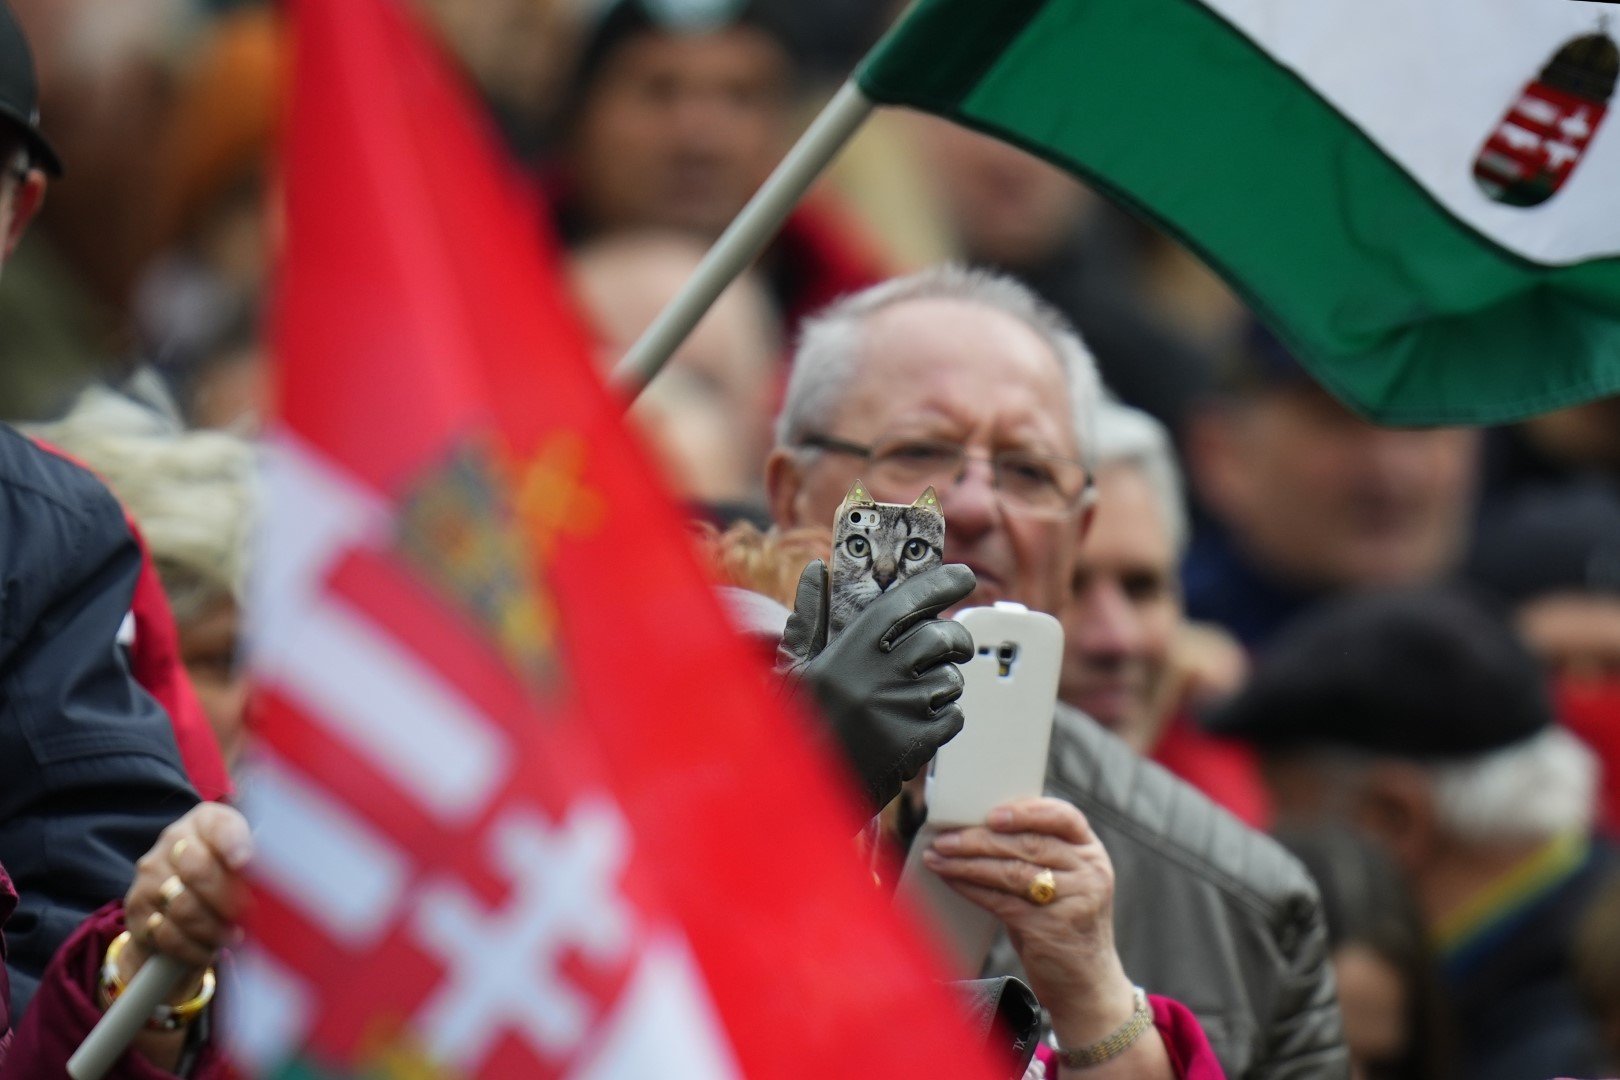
column 1106, row 626
column 970, row 502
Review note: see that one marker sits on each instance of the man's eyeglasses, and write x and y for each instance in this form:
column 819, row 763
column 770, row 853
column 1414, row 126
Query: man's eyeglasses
column 1036, row 485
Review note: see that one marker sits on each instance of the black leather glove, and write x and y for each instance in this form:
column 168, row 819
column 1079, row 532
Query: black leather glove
column 887, row 684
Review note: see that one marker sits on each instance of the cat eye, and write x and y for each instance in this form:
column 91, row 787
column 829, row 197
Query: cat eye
column 1026, row 482
column 915, row 549
column 858, row 546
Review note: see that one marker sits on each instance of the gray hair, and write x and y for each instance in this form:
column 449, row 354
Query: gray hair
column 1532, row 791
column 191, row 493
column 829, row 346
column 1131, row 438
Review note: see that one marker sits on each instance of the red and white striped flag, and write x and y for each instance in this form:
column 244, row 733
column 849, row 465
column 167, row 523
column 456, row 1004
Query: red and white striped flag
column 523, row 806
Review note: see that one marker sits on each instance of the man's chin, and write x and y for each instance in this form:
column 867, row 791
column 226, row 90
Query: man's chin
column 1110, row 708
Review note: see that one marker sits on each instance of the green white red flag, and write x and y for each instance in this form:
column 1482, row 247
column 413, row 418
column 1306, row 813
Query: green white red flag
column 523, row 806
column 1419, row 197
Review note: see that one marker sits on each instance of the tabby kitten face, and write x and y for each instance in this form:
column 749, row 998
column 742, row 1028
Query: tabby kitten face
column 878, row 545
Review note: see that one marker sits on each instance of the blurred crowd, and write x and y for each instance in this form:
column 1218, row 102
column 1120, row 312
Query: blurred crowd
column 1396, row 651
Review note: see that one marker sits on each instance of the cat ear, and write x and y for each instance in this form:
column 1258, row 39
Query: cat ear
column 857, row 496
column 927, row 501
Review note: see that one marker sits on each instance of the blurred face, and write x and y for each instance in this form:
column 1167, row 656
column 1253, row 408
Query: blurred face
column 1006, row 205
column 1326, row 500
column 961, row 372
column 678, row 132
column 1123, row 613
column 1373, row 1003
column 209, row 650
column 708, row 412
column 1576, row 635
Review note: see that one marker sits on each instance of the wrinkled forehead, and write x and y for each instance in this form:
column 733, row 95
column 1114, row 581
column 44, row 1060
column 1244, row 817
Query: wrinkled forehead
column 959, row 369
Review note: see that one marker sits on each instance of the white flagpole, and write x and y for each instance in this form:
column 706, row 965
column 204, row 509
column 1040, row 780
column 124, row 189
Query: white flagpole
column 746, row 236
column 113, row 1033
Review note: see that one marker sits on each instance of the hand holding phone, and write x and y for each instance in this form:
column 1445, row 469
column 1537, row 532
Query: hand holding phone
column 1008, row 702
column 887, row 686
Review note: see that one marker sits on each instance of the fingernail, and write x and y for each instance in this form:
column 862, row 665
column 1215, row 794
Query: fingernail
column 932, row 857
column 948, row 841
column 237, row 855
column 1000, row 818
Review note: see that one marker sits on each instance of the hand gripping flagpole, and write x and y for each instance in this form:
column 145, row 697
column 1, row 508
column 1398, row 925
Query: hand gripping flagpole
column 746, row 236
column 118, row 1027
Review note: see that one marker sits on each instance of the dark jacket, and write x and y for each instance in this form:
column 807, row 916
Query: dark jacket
column 1207, row 911
column 1519, row 1014
column 89, row 771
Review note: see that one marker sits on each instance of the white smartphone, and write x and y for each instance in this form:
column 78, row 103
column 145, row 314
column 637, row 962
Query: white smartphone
column 1008, row 701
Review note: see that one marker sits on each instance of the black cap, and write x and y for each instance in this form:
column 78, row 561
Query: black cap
column 19, row 92
column 1426, row 674
column 1551, row 540
column 623, row 20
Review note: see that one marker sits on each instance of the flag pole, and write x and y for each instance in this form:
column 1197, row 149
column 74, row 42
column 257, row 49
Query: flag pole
column 746, row 236
column 123, row 1019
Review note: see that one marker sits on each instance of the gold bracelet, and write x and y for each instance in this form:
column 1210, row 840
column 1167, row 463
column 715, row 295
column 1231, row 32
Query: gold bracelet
column 1116, row 1044
column 164, row 1017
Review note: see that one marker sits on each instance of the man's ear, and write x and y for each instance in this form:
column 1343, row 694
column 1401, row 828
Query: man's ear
column 1396, row 805
column 25, row 203
column 784, row 480
column 1088, row 513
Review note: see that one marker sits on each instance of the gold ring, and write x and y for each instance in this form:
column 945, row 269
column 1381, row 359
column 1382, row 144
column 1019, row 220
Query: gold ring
column 180, row 845
column 1042, row 888
column 153, row 921
column 172, row 887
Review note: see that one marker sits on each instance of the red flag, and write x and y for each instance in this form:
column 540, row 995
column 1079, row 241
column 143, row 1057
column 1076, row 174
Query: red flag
column 523, row 806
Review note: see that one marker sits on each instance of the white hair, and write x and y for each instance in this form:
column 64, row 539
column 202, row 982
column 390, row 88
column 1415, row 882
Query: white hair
column 829, row 346
column 1131, row 438
column 191, row 493
column 1533, row 790
column 1529, row 792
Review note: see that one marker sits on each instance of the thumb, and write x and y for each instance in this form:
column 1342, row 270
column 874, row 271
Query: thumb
column 806, row 633
column 225, row 830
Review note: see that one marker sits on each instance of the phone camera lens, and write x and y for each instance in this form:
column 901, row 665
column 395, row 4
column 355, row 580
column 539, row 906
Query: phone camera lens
column 855, row 517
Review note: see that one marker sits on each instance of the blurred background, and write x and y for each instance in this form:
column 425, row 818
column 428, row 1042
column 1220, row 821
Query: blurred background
column 148, row 272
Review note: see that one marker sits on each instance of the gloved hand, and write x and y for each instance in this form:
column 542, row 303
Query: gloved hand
column 887, row 684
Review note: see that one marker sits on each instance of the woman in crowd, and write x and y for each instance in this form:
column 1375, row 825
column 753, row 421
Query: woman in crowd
column 191, row 495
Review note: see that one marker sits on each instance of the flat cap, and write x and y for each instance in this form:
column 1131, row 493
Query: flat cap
column 1425, row 674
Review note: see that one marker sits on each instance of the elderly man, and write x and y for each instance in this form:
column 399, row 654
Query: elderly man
column 1124, row 614
column 964, row 381
column 1419, row 718
column 1131, row 660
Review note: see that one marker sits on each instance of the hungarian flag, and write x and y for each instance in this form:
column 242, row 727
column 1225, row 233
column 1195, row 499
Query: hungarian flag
column 1418, row 196
column 524, row 807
